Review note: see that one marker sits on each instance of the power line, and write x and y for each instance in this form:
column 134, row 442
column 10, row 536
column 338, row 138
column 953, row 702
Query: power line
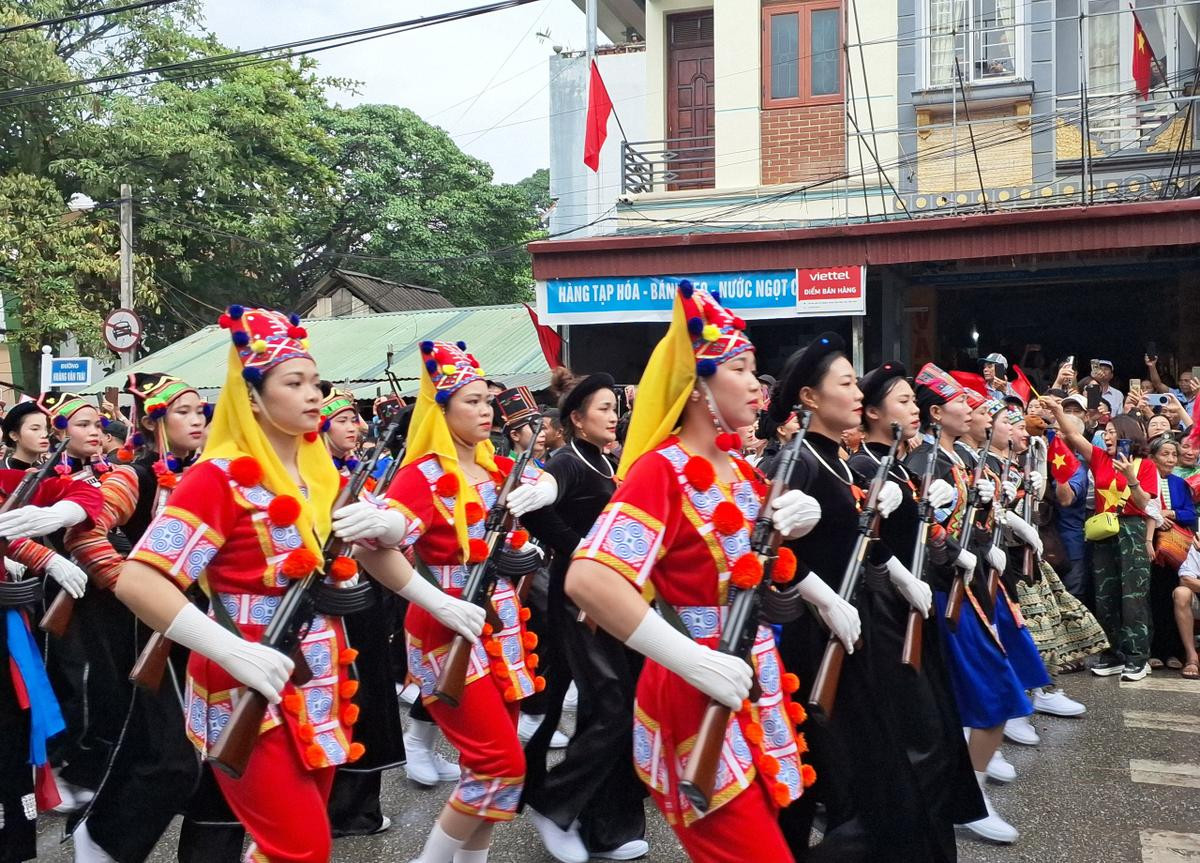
column 80, row 16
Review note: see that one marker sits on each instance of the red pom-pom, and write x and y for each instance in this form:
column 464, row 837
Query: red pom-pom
column 295, row 332
column 347, row 688
column 504, row 465
column 343, row 568
column 487, row 630
column 739, row 323
column 529, row 640
column 474, row 513
column 446, row 485
column 511, row 694
column 299, row 563
column 283, row 510
column 315, row 755
column 781, row 794
column 311, row 436
column 801, row 740
column 747, row 571
column 494, row 648
column 478, row 551
column 292, row 703
column 125, row 454
column 225, row 322
column 62, row 469
column 356, row 751
column 168, row 481
column 769, row 765
column 754, row 733
column 785, row 566
column 539, row 683
column 350, row 714
column 789, row 683
column 518, row 539
column 699, row 473
column 807, row 775
column 305, row 732
column 370, row 485
column 347, row 656
column 729, row 442
column 524, row 614
column 246, row 471
column 727, row 518
column 499, row 669
column 531, row 661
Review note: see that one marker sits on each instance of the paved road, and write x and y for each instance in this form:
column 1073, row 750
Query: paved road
column 1117, row 786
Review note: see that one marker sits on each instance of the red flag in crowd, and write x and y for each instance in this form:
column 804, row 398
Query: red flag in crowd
column 598, row 109
column 1021, row 386
column 548, row 338
column 1063, row 463
column 971, row 381
column 1143, row 58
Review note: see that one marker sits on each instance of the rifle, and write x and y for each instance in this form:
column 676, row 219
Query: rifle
column 994, row 574
column 58, row 616
column 1029, row 568
column 286, row 631
column 740, row 631
column 481, row 581
column 959, row 586
column 910, row 654
column 825, row 684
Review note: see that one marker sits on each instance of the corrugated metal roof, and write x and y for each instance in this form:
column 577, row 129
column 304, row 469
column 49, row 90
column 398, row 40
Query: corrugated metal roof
column 353, row 351
column 380, row 294
column 896, row 241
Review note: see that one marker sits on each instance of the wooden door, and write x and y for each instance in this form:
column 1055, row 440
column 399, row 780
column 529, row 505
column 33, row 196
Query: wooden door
column 691, row 107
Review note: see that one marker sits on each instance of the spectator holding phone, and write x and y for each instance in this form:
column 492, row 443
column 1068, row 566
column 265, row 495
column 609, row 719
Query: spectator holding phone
column 1065, row 379
column 1102, row 374
column 1188, row 383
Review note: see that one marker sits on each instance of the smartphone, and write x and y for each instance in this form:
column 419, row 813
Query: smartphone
column 1123, row 447
column 1093, row 397
column 1135, row 388
column 1158, row 400
column 1152, row 350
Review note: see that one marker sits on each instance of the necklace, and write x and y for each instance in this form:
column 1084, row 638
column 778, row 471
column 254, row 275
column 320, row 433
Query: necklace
column 903, row 474
column 611, row 470
column 848, row 480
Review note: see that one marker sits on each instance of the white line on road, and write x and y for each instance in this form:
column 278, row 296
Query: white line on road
column 1164, row 684
column 1164, row 773
column 1162, row 721
column 1163, row 846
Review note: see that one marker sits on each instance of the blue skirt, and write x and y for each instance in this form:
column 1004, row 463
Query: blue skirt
column 1022, row 653
column 985, row 686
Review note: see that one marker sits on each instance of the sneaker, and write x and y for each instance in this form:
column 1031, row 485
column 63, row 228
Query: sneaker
column 1057, row 703
column 1108, row 667
column 563, row 845
column 631, row 850
column 528, row 725
column 999, row 770
column 570, row 703
column 1021, row 730
column 1135, row 672
column 992, row 827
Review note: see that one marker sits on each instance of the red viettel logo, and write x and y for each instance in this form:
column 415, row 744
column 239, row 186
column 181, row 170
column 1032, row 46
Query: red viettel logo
column 829, row 283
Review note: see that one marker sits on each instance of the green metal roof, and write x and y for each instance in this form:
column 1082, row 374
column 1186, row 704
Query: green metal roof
column 352, row 351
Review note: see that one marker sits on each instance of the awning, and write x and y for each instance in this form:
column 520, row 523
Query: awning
column 352, row 352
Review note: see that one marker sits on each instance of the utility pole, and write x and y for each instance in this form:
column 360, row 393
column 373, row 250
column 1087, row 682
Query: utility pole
column 126, row 226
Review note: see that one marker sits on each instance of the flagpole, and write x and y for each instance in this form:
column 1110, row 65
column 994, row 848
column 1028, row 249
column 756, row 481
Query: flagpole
column 1154, row 57
column 1084, row 148
column 593, row 210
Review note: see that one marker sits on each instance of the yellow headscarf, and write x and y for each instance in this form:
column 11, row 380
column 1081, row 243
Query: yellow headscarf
column 430, row 433
column 235, row 432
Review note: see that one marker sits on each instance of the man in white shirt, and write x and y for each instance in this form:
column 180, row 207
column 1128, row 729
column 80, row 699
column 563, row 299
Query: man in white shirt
column 1102, row 373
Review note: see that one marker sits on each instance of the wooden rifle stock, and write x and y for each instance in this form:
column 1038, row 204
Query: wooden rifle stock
column 958, row 589
column 58, row 615
column 705, row 757
column 914, row 630
column 238, row 738
column 151, row 663
column 994, row 575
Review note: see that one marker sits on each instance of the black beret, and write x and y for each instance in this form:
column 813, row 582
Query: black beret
column 801, row 371
column 574, row 398
column 876, row 383
column 12, row 419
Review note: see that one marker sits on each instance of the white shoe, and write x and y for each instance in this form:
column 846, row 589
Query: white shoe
column 1135, row 672
column 999, row 768
column 86, row 850
column 1021, row 730
column 74, row 797
column 528, row 725
column 408, row 694
column 1057, row 703
column 631, row 850
column 993, row 827
column 422, row 764
column 563, row 845
column 570, row 703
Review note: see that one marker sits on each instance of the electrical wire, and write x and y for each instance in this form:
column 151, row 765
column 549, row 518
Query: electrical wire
column 80, row 16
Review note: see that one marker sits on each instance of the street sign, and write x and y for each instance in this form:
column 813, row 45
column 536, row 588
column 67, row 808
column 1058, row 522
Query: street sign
column 122, row 330
column 67, row 373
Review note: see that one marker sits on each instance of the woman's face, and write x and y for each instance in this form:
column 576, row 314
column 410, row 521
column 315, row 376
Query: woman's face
column 1110, row 438
column 1188, row 454
column 343, row 432
column 185, row 423
column 981, row 422
column 899, row 406
column 954, row 415
column 469, row 413
column 596, row 421
column 31, row 436
column 1158, row 424
column 291, row 394
column 836, row 399
column 1166, row 458
column 84, row 434
column 736, row 391
column 1002, row 437
column 524, row 437
column 1020, row 437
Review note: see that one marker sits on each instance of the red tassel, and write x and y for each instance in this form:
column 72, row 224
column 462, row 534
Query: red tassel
column 747, row 571
column 524, row 614
column 343, row 568
column 531, row 661
column 347, row 656
column 315, row 755
column 168, row 481
column 347, row 688
column 807, row 775
column 511, row 694
column 306, row 733
column 727, row 518
column 493, row 648
column 284, row 510
column 769, row 765
column 446, row 485
column 350, row 714
column 529, row 640
column 292, row 704
column 801, row 741
column 246, row 471
column 539, row 683
column 699, row 473
column 781, row 794
column 356, row 751
column 299, row 563
column 518, row 539
column 478, row 551
column 474, row 512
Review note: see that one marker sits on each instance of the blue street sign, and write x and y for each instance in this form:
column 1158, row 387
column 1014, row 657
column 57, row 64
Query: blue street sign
column 69, row 372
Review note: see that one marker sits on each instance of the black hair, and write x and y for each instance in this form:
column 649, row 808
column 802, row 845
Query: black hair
column 1129, row 429
column 117, row 429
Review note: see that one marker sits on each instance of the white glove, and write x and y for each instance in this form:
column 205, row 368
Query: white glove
column 534, row 495
column 918, row 593
column 41, row 520
column 996, row 558
column 72, row 578
column 264, row 669
column 362, row 520
column 889, row 498
column 465, row 618
column 795, row 513
column 839, row 616
column 724, row 678
column 941, row 494
column 966, row 561
column 986, row 489
column 1010, row 491
column 1024, row 531
column 1037, row 482
column 16, row 571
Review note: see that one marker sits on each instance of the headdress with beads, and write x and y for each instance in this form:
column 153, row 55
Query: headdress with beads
column 450, row 367
column 717, row 334
column 60, row 407
column 334, row 403
column 153, row 394
column 939, row 381
column 264, row 338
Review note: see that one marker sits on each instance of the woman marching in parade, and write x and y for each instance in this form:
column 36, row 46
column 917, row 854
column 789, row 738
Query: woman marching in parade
column 26, row 436
column 678, row 531
column 590, row 803
column 250, row 523
column 449, row 483
column 921, row 706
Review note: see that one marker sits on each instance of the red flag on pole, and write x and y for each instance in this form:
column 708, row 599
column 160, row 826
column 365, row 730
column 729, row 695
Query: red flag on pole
column 598, row 109
column 1021, row 386
column 548, row 338
column 1143, row 58
column 971, row 381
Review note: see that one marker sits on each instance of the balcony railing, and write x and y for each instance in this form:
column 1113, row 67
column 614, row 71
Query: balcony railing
column 670, row 165
column 1120, row 124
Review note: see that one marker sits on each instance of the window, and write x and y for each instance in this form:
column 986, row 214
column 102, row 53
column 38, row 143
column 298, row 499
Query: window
column 802, row 53
column 981, row 34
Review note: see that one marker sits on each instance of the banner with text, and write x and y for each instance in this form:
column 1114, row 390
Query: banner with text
column 755, row 295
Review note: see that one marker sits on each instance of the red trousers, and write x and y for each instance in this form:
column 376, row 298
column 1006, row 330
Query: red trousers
column 745, row 828
column 483, row 728
column 281, row 803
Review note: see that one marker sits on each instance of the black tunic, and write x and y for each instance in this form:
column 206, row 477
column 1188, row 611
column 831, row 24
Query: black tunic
column 873, row 800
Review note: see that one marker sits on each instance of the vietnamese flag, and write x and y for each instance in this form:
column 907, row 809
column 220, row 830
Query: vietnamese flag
column 1062, row 461
column 1143, row 58
column 548, row 338
column 970, row 381
column 598, row 108
column 1021, row 386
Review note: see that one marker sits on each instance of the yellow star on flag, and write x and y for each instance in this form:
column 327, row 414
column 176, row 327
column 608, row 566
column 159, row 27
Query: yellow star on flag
column 1114, row 498
column 1060, row 461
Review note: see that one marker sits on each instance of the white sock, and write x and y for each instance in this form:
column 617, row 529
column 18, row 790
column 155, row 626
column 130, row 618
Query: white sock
column 440, row 847
column 465, row 856
column 421, row 732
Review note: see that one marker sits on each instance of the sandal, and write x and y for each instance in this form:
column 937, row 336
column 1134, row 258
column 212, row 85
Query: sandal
column 1191, row 671
column 1174, row 664
column 1155, row 662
